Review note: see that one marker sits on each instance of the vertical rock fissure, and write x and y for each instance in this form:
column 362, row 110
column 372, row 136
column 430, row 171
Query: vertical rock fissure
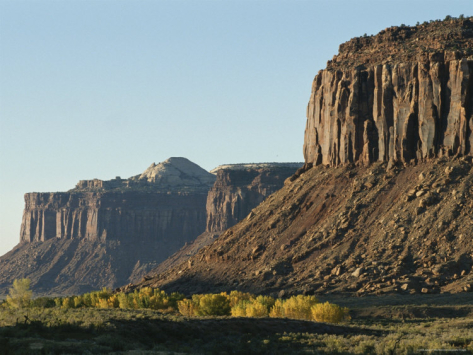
column 469, row 111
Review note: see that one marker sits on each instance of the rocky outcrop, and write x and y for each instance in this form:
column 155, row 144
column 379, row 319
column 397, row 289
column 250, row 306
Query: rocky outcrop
column 403, row 95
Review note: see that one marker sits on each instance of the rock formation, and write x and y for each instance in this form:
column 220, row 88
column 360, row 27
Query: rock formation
column 402, row 95
column 239, row 188
column 107, row 233
column 347, row 229
column 371, row 211
column 167, row 201
column 110, row 233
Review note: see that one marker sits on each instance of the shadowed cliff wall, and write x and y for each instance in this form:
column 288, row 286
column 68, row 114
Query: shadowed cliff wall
column 114, row 215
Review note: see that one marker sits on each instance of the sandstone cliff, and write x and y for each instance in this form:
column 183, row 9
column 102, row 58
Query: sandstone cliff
column 403, row 95
column 107, row 233
column 110, row 233
column 167, row 201
column 110, row 215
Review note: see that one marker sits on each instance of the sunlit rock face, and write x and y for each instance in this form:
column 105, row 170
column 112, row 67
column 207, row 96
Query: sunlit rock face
column 166, row 202
column 403, row 95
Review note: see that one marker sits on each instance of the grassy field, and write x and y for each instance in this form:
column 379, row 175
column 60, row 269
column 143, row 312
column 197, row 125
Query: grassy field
column 379, row 325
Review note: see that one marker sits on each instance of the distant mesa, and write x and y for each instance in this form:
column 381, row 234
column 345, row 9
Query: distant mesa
column 107, row 233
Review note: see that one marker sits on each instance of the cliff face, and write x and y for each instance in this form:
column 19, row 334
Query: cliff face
column 108, row 233
column 403, row 95
column 136, row 216
column 238, row 190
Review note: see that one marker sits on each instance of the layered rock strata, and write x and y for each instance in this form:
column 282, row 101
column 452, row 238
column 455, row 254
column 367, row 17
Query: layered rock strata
column 139, row 216
column 384, row 224
column 107, row 233
column 403, row 95
column 110, row 233
column 167, row 201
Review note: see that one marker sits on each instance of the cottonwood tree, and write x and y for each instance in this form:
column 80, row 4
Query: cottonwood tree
column 20, row 294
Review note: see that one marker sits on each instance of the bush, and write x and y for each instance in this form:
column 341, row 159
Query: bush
column 277, row 311
column 260, row 306
column 326, row 312
column 236, row 297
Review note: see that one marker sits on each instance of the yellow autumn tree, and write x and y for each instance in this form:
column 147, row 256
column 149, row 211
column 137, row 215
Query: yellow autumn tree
column 327, row 312
column 20, row 294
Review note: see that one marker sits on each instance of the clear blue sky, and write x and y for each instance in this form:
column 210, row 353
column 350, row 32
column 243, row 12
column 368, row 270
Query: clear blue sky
column 96, row 89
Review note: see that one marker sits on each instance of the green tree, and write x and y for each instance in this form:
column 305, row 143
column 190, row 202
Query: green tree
column 20, row 294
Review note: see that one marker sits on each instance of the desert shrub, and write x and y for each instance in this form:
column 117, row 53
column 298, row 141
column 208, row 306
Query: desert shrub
column 124, row 301
column 256, row 310
column 19, row 295
column 260, row 306
column 87, row 300
column 173, row 299
column 78, row 302
column 327, row 312
column 213, row 305
column 68, row 302
column 113, row 302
